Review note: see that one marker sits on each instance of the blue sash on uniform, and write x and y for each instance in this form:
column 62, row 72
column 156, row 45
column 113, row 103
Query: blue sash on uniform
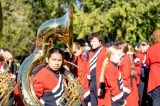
column 51, row 98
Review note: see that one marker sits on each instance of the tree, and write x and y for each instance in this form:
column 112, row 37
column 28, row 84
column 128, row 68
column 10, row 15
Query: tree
column 21, row 20
column 127, row 20
column 1, row 21
column 121, row 19
column 17, row 34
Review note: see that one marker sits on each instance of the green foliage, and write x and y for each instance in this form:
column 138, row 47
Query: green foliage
column 121, row 19
column 21, row 20
column 118, row 19
column 17, row 34
column 1, row 21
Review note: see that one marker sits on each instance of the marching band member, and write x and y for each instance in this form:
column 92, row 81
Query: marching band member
column 153, row 61
column 130, row 87
column 49, row 81
column 81, row 61
column 97, row 55
column 111, row 82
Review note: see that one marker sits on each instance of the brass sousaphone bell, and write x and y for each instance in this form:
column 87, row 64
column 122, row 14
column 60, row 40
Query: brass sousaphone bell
column 49, row 32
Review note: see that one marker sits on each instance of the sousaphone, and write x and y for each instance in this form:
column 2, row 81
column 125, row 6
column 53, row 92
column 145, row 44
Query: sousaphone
column 49, row 32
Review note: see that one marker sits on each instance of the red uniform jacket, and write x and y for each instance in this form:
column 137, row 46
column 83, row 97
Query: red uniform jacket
column 81, row 62
column 44, row 80
column 125, row 69
column 111, row 78
column 130, row 86
column 100, row 58
column 153, row 61
column 1, row 65
column 138, row 61
column 17, row 97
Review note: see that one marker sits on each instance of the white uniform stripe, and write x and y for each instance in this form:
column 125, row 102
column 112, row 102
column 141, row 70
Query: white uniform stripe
column 57, row 101
column 2, row 69
column 89, row 77
column 42, row 101
column 121, row 81
column 86, row 94
column 144, row 59
column 93, row 67
column 58, row 85
column 121, row 86
column 136, row 60
column 94, row 61
column 60, row 93
column 125, row 89
column 117, row 97
column 120, row 76
column 95, row 55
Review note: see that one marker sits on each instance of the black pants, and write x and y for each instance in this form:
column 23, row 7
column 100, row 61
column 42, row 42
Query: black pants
column 93, row 92
column 144, row 98
column 155, row 95
column 11, row 100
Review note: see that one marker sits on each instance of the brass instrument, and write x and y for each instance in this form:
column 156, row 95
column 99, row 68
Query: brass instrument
column 49, row 32
column 7, row 85
column 74, row 91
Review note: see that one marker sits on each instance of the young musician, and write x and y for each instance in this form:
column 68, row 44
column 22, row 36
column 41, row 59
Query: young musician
column 125, row 67
column 111, row 82
column 97, row 55
column 49, row 83
column 153, row 61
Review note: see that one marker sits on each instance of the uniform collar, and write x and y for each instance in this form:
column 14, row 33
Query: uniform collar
column 95, row 50
column 55, row 72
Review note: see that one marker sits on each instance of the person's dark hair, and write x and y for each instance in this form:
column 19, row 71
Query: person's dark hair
column 85, row 44
column 1, row 58
column 77, row 44
column 95, row 34
column 54, row 50
column 144, row 43
column 86, row 38
column 128, row 42
column 123, row 45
